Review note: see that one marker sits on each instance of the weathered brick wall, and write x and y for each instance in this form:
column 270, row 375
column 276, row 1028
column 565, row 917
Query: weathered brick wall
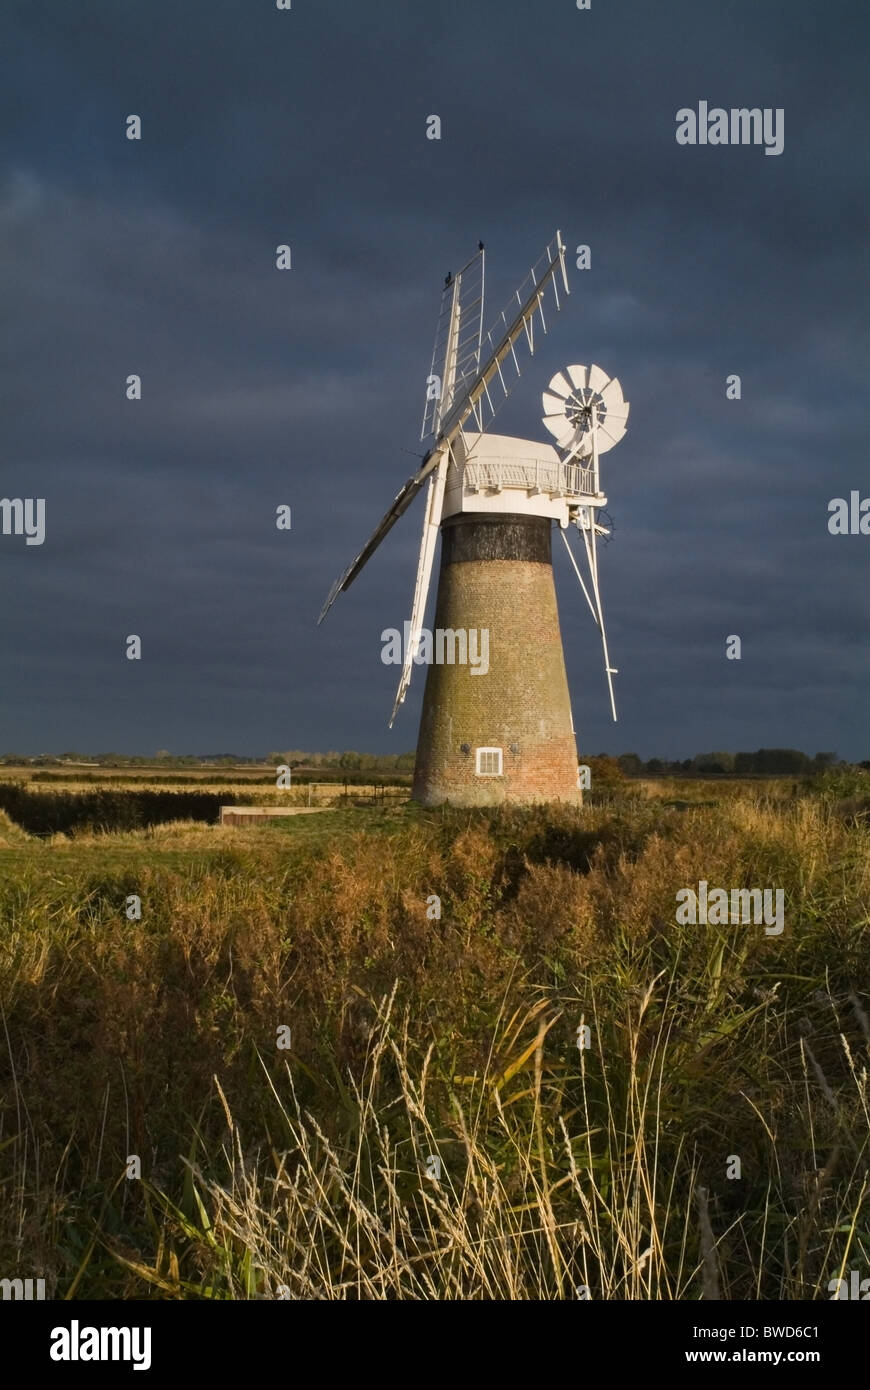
column 523, row 699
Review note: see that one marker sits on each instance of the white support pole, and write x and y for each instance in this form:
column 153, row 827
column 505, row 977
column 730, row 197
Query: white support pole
column 592, row 554
column 579, row 576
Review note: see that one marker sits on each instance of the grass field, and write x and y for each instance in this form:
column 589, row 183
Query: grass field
column 422, row 1045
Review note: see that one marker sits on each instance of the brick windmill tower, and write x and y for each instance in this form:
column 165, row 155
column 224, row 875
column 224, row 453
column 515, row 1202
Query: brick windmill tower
column 500, row 730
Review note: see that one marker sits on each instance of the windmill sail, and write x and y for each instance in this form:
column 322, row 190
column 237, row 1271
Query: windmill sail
column 431, row 523
column 402, row 501
column 458, row 336
column 457, row 353
column 504, row 347
column 467, row 388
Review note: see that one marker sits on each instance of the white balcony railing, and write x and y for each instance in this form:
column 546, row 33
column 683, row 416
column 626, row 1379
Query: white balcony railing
column 535, row 475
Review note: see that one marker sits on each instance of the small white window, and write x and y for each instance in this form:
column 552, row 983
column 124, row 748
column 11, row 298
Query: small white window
column 489, row 762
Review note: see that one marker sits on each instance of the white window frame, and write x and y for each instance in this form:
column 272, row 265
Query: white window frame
column 478, row 760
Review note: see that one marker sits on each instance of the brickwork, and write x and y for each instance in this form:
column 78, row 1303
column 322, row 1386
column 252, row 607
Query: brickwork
column 521, row 705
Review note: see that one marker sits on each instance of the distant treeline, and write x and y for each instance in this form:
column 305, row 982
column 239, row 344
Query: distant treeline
column 258, row 777
column 357, row 768
column 295, row 758
column 765, row 762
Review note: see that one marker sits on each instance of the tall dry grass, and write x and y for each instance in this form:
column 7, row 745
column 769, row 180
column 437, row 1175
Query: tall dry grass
column 455, row 1038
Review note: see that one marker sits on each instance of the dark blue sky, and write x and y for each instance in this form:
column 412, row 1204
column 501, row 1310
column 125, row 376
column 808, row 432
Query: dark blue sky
column 306, row 387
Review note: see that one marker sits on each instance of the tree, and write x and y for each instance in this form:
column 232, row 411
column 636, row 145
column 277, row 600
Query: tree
column 772, row 761
column 713, row 762
column 823, row 760
column 604, row 771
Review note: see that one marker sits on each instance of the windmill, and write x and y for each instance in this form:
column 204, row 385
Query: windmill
column 506, row 735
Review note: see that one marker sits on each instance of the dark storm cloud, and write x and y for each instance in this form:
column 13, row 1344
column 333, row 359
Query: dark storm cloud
column 261, row 388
